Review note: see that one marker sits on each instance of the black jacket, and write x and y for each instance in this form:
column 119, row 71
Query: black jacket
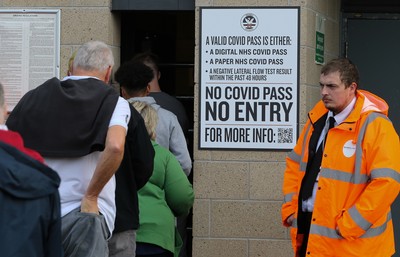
column 65, row 118
column 135, row 170
column 30, row 222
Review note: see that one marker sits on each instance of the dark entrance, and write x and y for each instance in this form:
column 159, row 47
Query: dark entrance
column 371, row 41
column 170, row 34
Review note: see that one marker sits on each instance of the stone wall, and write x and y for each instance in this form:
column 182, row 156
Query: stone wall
column 81, row 21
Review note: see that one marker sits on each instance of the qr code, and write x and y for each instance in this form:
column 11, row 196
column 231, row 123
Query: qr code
column 285, row 135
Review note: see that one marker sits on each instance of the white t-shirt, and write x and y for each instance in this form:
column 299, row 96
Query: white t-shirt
column 76, row 173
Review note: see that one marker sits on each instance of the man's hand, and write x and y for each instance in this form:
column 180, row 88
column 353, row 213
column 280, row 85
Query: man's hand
column 290, row 220
column 109, row 161
column 89, row 205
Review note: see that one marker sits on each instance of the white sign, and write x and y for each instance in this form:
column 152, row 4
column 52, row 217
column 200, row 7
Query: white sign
column 29, row 50
column 249, row 64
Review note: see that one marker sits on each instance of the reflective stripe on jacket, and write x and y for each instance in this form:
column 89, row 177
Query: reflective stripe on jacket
column 358, row 181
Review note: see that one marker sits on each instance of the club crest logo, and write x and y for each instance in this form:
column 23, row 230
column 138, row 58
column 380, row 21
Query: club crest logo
column 249, row 22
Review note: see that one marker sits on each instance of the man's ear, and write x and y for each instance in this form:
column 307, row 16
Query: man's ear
column 123, row 93
column 3, row 114
column 159, row 75
column 148, row 89
column 107, row 77
column 354, row 86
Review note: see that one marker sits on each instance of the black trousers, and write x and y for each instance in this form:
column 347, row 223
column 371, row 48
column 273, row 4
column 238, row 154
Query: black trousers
column 303, row 230
column 166, row 254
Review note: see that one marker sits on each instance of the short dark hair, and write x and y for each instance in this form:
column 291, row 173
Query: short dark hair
column 133, row 76
column 150, row 59
column 348, row 71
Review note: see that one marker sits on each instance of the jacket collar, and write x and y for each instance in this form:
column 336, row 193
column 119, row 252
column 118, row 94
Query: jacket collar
column 349, row 123
column 366, row 102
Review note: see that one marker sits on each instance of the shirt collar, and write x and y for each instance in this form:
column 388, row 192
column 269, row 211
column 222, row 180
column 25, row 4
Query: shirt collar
column 3, row 127
column 78, row 77
column 340, row 117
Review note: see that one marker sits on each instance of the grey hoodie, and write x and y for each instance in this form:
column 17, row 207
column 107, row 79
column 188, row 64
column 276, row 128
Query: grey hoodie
column 169, row 133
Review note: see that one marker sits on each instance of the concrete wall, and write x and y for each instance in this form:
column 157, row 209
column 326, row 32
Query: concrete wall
column 81, row 21
column 238, row 193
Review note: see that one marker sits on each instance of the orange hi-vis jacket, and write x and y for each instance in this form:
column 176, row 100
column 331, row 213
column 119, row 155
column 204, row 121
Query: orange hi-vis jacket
column 358, row 181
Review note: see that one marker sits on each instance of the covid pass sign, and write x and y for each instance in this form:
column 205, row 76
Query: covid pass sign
column 249, row 78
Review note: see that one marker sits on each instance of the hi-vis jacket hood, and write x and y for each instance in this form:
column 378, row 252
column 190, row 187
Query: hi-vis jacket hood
column 358, row 181
column 367, row 102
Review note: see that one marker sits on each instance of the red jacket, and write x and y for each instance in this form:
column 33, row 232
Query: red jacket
column 14, row 139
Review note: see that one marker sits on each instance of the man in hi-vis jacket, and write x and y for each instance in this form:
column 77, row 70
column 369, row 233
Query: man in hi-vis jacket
column 343, row 174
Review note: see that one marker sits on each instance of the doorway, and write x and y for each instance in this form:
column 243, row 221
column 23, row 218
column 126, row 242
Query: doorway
column 169, row 34
column 371, row 41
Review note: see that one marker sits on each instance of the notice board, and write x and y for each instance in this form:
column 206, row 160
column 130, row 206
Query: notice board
column 249, row 78
column 29, row 50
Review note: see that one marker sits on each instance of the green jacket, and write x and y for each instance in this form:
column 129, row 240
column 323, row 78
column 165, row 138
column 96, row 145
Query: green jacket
column 167, row 194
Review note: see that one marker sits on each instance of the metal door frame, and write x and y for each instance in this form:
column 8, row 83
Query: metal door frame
column 345, row 16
